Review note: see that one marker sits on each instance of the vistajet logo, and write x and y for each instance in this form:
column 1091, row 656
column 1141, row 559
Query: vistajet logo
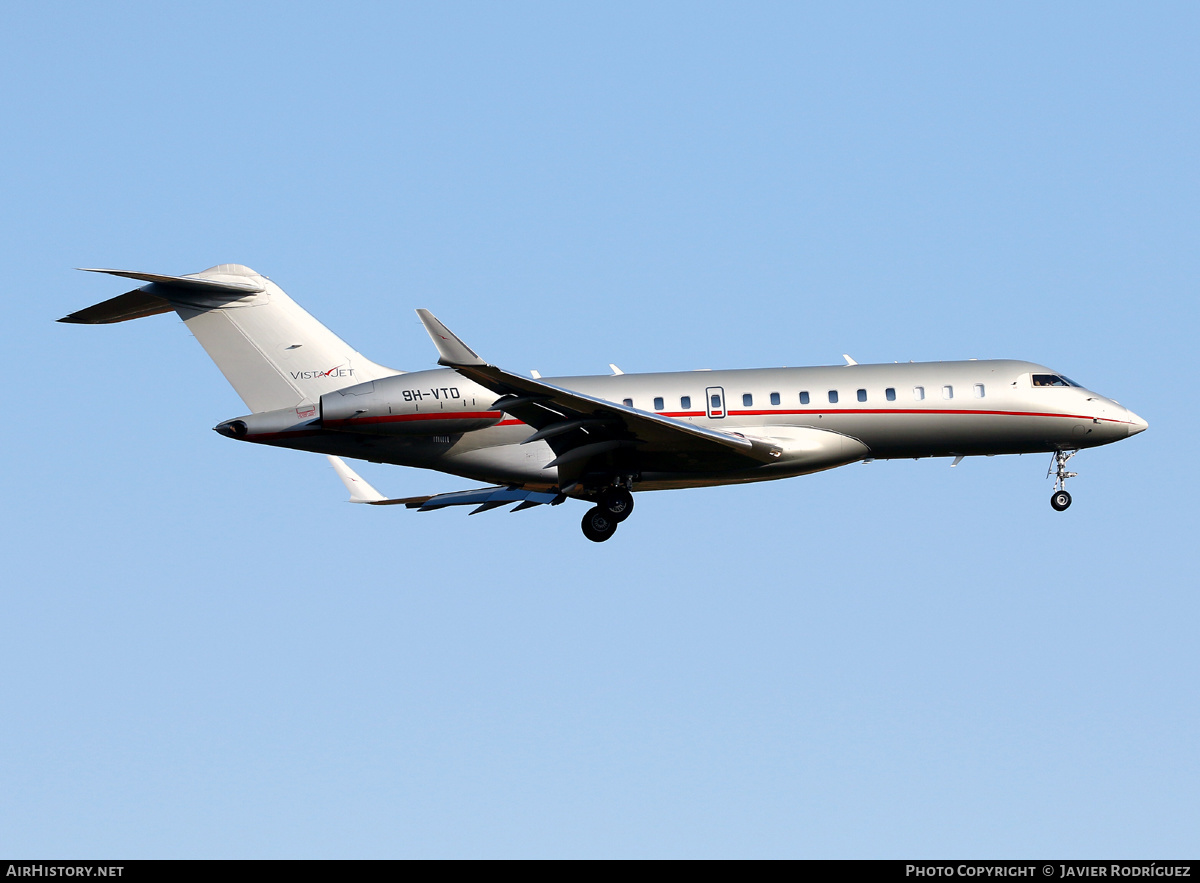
column 335, row 371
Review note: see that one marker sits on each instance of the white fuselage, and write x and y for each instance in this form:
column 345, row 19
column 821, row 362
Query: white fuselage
column 440, row 420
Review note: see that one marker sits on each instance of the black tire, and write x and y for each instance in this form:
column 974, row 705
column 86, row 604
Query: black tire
column 1060, row 500
column 617, row 502
column 598, row 525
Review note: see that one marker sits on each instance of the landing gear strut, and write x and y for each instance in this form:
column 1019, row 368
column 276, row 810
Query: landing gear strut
column 1060, row 499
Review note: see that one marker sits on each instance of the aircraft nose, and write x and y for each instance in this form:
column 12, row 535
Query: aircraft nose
column 1136, row 424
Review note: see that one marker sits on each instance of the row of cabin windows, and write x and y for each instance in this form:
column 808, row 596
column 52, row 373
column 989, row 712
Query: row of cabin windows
column 685, row 402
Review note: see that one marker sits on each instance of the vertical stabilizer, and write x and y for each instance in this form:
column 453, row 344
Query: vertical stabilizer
column 273, row 353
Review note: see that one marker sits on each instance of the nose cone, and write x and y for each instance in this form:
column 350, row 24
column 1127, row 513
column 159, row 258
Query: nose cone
column 1136, row 424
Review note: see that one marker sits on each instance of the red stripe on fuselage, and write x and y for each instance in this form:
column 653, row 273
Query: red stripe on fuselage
column 404, row 418
column 478, row 415
column 817, row 411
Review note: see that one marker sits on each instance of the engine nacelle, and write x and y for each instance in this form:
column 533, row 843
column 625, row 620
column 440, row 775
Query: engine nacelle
column 410, row 404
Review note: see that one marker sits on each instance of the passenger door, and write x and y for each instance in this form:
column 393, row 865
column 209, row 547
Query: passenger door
column 714, row 402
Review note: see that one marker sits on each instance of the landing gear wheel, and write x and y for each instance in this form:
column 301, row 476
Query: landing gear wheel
column 1060, row 500
column 617, row 502
column 598, row 525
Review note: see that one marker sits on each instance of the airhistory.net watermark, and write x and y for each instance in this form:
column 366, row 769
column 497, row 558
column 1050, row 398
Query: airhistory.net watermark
column 36, row 869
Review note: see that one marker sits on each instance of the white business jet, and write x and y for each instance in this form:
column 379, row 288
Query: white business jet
column 600, row 438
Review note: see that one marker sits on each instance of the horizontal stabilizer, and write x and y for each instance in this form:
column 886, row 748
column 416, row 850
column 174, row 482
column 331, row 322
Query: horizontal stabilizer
column 272, row 351
column 191, row 283
column 139, row 303
column 136, row 304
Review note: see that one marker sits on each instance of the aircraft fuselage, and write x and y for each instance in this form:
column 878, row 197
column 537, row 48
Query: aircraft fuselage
column 441, row 420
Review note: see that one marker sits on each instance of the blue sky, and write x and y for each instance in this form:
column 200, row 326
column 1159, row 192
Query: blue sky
column 208, row 653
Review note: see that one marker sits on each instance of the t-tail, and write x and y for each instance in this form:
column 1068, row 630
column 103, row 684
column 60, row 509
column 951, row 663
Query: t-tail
column 273, row 353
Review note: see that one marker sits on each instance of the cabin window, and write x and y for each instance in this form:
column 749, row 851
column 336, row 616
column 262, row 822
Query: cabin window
column 862, row 395
column 628, row 403
column 775, row 398
column 947, row 392
column 658, row 403
column 685, row 402
column 804, row 398
column 979, row 391
column 747, row 400
column 833, row 396
column 716, row 403
column 890, row 394
column 919, row 393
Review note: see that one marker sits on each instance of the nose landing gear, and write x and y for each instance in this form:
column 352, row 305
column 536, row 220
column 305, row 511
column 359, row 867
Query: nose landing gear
column 1060, row 499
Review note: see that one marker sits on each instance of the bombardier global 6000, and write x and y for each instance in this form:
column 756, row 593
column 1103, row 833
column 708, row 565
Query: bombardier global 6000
column 545, row 440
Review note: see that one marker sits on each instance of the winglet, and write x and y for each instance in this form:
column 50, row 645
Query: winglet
column 360, row 491
column 451, row 350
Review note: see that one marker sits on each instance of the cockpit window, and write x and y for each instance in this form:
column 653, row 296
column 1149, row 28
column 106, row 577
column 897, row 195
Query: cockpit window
column 1052, row 380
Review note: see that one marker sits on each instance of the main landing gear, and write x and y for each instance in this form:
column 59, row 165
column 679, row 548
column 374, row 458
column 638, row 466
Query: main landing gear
column 1060, row 499
column 598, row 525
column 617, row 502
column 613, row 505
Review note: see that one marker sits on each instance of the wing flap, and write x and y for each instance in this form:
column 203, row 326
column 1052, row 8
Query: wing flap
column 486, row 498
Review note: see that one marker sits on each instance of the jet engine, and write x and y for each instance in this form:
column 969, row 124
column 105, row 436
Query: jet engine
column 409, row 404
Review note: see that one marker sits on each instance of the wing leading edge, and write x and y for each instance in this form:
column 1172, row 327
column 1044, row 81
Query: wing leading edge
column 588, row 433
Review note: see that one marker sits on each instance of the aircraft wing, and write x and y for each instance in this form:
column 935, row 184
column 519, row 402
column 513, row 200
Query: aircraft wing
column 483, row 498
column 589, row 433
